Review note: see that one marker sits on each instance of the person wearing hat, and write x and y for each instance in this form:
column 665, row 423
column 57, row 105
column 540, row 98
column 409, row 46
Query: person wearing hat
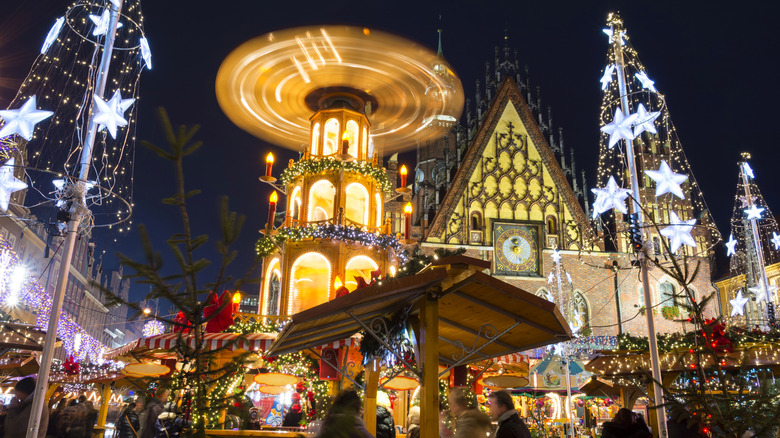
column 18, row 413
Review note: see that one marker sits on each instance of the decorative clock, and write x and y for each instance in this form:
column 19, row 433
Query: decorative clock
column 516, row 248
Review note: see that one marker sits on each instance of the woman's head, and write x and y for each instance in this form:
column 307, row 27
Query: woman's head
column 347, row 401
column 624, row 416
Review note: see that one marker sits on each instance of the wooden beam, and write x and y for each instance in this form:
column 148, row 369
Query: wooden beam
column 476, row 333
column 105, row 399
column 429, row 360
column 369, row 405
column 506, row 313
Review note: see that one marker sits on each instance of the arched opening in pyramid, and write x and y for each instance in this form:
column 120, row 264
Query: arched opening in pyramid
column 272, row 288
column 357, row 204
column 309, row 282
column 359, row 266
column 321, row 199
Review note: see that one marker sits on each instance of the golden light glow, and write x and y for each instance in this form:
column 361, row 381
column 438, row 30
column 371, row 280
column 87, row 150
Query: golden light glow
column 392, row 271
column 403, row 170
column 237, row 298
column 408, row 208
column 269, row 159
column 345, row 136
column 274, row 197
column 337, row 283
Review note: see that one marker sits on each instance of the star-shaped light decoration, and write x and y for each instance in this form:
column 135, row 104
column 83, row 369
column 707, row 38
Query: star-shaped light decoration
column 550, row 278
column 610, row 197
column 115, row 3
column 731, row 246
column 52, row 35
column 754, row 212
column 776, row 240
column 556, row 256
column 748, row 170
column 646, row 82
column 607, row 78
column 101, row 23
column 568, row 278
column 110, row 114
column 645, row 121
column 620, row 127
column 146, row 53
column 22, row 121
column 758, row 290
column 667, row 181
column 9, row 183
column 608, row 31
column 738, row 304
column 679, row 232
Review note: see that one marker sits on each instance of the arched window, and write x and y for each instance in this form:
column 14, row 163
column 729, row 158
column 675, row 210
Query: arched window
column 580, row 311
column 359, row 266
column 476, row 221
column 295, row 203
column 356, row 206
column 364, row 144
column 309, row 282
column 315, row 139
column 667, row 294
column 552, row 225
column 546, row 294
column 321, row 199
column 272, row 289
column 331, row 144
column 354, row 137
column 378, row 210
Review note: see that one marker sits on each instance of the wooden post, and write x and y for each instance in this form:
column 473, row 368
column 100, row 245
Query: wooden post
column 429, row 352
column 369, row 405
column 50, row 392
column 105, row 398
column 651, row 413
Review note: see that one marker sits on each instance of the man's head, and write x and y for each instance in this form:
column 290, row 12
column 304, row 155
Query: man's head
column 162, row 394
column 24, row 388
column 458, row 401
column 500, row 402
column 82, row 398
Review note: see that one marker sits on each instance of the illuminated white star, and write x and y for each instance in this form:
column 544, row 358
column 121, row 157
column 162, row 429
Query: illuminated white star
column 101, row 23
column 748, row 171
column 52, row 35
column 22, row 121
column 146, row 53
column 556, row 256
column 754, row 212
column 607, row 78
column 610, row 197
column 761, row 294
column 115, row 3
column 731, row 246
column 667, row 181
column 776, row 240
column 646, row 82
column 9, row 183
column 645, row 121
column 608, row 31
column 679, row 232
column 550, row 278
column 620, row 127
column 110, row 114
column 738, row 304
column 568, row 277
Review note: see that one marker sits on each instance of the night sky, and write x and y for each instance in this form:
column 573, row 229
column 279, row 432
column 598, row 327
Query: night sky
column 716, row 63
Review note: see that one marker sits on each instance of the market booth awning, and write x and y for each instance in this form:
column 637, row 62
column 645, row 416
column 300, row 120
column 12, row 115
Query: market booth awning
column 20, row 337
column 161, row 345
column 479, row 317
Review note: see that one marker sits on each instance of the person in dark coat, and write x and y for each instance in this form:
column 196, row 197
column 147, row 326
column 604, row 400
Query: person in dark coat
column 154, row 407
column 343, row 418
column 502, row 410
column 624, row 425
column 18, row 413
column 385, row 426
column 128, row 422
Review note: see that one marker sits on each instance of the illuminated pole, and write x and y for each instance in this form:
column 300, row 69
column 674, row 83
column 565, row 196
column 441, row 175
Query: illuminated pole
column 77, row 212
column 616, row 24
column 566, row 352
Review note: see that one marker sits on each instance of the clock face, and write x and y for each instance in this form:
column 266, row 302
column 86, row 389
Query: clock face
column 516, row 249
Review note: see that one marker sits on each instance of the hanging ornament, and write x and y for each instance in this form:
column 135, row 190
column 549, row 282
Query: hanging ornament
column 607, row 78
column 52, row 35
column 101, row 23
column 679, row 232
column 738, row 304
column 620, row 127
column 9, row 183
column 610, row 197
column 645, row 121
column 22, row 121
column 754, row 212
column 647, row 84
column 146, row 53
column 110, row 113
column 152, row 328
column 667, row 181
column 731, row 246
column 761, row 294
column 776, row 240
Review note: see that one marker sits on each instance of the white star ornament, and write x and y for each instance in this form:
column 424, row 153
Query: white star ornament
column 52, row 35
column 758, row 290
column 738, row 304
column 776, row 240
column 101, row 23
column 620, row 127
column 610, row 197
column 747, row 169
column 9, row 183
column 754, row 212
column 609, row 32
column 556, row 256
column 607, row 78
column 645, row 121
column 646, row 82
column 679, row 232
column 22, row 121
column 146, row 53
column 667, row 181
column 731, row 246
column 550, row 278
column 110, row 114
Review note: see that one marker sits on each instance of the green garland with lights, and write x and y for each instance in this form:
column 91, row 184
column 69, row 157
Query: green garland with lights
column 668, row 342
column 365, row 168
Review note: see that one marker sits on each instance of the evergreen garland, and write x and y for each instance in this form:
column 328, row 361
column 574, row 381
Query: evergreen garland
column 329, row 164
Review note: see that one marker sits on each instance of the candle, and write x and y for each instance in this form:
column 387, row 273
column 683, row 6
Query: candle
column 345, row 143
column 272, row 210
column 408, row 220
column 269, row 163
column 403, row 172
column 237, row 300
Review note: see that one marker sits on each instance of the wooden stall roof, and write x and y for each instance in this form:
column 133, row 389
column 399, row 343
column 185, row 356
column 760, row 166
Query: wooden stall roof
column 20, row 337
column 476, row 312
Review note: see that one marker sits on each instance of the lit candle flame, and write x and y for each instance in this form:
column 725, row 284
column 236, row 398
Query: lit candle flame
column 403, row 170
column 337, row 283
column 270, row 158
column 408, row 208
column 237, row 295
column 275, row 197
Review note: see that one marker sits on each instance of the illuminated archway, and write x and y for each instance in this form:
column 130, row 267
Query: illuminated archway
column 309, row 282
column 378, row 210
column 295, row 203
column 315, row 139
column 331, row 144
column 359, row 266
column 356, row 207
column 354, row 137
column 321, row 198
column 272, row 287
